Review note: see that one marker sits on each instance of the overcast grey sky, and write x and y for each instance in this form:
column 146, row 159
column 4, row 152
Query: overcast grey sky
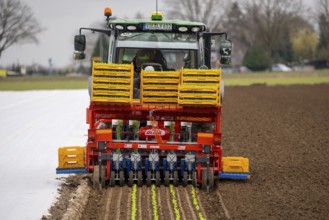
column 62, row 20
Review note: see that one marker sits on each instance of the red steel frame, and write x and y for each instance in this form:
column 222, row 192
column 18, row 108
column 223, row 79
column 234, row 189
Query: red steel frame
column 177, row 113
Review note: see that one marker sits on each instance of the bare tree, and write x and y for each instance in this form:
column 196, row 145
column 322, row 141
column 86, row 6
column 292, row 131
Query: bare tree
column 206, row 11
column 17, row 24
column 270, row 21
column 323, row 21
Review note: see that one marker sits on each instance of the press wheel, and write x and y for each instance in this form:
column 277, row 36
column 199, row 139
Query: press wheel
column 166, row 179
column 185, row 174
column 131, row 178
column 175, row 178
column 97, row 181
column 157, row 178
column 112, row 178
column 139, row 178
column 148, row 179
column 121, row 178
column 194, row 179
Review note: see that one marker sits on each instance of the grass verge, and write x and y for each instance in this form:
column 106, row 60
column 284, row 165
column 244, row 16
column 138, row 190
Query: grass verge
column 277, row 78
column 42, row 83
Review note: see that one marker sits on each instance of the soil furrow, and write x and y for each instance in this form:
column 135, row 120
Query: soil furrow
column 160, row 204
column 125, row 206
column 165, row 211
column 188, row 200
column 181, row 204
column 118, row 203
column 129, row 203
column 169, row 204
column 140, row 205
column 146, row 203
column 109, row 199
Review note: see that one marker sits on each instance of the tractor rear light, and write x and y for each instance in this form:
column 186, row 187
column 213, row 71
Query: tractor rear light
column 183, row 29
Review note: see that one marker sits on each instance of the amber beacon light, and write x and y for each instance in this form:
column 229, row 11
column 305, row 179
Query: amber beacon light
column 108, row 12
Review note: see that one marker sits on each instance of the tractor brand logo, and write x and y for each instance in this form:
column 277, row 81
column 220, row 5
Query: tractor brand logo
column 150, row 132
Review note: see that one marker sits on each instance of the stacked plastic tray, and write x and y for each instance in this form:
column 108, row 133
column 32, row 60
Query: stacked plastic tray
column 200, row 87
column 71, row 157
column 112, row 83
column 159, row 87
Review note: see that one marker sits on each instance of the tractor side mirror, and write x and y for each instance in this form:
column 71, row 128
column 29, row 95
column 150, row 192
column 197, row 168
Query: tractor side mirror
column 79, row 43
column 79, row 47
column 225, row 49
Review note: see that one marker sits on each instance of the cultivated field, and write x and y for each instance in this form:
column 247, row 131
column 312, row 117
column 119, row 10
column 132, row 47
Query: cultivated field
column 282, row 129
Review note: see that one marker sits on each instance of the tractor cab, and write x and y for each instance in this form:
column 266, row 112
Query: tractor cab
column 166, row 44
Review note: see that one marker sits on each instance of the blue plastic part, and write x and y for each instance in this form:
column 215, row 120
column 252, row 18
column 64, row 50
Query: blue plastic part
column 239, row 176
column 164, row 164
column 146, row 166
column 130, row 165
column 72, row 171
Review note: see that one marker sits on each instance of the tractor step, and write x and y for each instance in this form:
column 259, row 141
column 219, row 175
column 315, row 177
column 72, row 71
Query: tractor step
column 237, row 176
column 72, row 170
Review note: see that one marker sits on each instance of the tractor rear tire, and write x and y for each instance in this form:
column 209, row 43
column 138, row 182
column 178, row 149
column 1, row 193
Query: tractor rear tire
column 157, row 178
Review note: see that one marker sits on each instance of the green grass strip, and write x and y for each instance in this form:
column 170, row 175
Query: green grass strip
column 174, row 202
column 276, row 81
column 42, row 83
column 134, row 202
column 154, row 203
column 196, row 204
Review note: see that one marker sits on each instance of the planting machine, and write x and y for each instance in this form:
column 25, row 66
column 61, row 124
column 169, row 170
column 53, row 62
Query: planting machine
column 155, row 106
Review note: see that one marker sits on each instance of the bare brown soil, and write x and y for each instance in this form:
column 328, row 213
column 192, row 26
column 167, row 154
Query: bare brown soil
column 283, row 130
